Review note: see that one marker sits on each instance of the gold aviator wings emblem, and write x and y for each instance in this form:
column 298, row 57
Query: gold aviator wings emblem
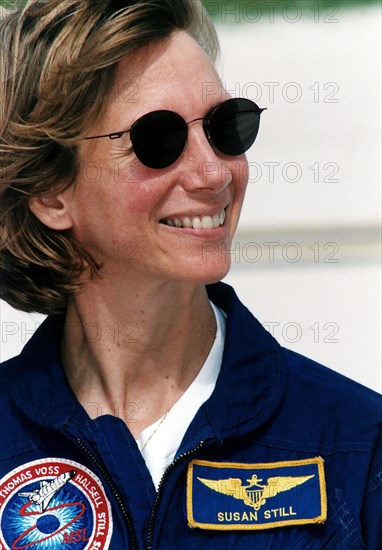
column 255, row 494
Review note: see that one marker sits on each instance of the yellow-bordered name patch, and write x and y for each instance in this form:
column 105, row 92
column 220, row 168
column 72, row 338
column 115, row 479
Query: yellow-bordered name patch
column 228, row 496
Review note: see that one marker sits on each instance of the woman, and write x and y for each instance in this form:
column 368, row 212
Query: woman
column 151, row 410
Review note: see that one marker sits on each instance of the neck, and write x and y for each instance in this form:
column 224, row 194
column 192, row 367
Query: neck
column 133, row 354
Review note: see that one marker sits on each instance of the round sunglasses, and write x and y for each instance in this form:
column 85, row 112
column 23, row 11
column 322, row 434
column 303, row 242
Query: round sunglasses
column 159, row 138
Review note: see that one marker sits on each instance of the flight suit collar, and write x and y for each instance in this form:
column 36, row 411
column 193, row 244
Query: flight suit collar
column 41, row 389
column 253, row 376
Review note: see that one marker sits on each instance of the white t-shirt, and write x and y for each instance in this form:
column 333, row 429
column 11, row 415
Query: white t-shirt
column 167, row 432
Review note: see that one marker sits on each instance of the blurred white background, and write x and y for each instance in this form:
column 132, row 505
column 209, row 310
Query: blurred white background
column 307, row 261
column 307, row 256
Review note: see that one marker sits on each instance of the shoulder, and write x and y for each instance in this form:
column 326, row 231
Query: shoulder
column 15, row 430
column 313, row 376
column 37, row 352
column 340, row 405
column 316, row 403
column 9, row 371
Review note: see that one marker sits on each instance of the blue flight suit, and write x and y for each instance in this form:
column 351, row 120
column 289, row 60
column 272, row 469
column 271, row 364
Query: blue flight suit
column 286, row 454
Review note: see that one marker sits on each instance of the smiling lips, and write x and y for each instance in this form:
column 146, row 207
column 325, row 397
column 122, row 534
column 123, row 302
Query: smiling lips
column 197, row 222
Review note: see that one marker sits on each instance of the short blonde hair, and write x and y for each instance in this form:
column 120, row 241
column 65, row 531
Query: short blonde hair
column 57, row 60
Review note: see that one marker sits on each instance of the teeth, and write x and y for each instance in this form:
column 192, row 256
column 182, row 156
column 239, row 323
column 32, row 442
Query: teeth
column 196, row 222
column 207, row 222
column 216, row 220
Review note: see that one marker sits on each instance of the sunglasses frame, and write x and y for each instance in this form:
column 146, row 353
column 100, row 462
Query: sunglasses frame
column 206, row 123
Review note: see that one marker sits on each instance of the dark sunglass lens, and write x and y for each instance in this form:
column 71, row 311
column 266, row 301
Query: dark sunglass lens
column 233, row 126
column 159, row 138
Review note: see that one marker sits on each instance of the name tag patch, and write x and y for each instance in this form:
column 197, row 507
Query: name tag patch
column 228, row 496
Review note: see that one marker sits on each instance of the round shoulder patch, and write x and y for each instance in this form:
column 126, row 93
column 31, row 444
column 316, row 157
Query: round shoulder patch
column 53, row 503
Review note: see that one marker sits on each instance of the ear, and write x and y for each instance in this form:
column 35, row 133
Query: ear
column 52, row 211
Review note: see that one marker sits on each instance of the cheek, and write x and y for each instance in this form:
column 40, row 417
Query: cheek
column 109, row 193
column 240, row 173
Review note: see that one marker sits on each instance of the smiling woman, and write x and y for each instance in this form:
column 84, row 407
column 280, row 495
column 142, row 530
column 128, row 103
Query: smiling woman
column 151, row 401
column 100, row 212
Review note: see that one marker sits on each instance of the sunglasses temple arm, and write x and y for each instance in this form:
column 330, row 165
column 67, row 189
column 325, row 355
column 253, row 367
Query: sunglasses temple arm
column 115, row 135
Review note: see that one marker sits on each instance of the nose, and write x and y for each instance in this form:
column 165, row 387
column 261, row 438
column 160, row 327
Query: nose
column 203, row 169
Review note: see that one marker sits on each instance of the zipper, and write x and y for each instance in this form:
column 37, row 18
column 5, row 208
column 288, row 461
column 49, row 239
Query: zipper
column 112, row 486
column 161, row 483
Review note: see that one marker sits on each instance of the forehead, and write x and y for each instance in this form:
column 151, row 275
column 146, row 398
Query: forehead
column 174, row 74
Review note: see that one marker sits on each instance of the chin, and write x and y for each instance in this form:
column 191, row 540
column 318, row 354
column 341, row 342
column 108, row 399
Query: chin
column 208, row 272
